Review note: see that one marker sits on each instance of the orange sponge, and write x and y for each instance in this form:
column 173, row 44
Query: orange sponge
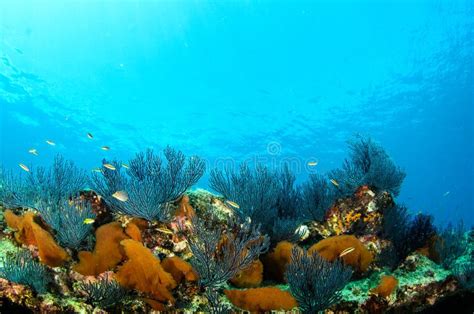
column 261, row 299
column 387, row 285
column 250, row 277
column 179, row 269
column 275, row 262
column 143, row 272
column 331, row 248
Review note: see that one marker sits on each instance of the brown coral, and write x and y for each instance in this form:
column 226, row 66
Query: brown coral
column 261, row 299
column 107, row 252
column 179, row 269
column 28, row 232
column 332, row 247
column 275, row 262
column 250, row 277
column 143, row 272
column 387, row 285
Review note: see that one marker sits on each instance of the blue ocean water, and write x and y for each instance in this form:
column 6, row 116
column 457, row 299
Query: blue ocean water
column 246, row 80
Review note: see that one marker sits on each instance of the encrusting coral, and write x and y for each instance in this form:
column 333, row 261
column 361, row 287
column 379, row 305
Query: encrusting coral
column 261, row 299
column 28, row 232
column 143, row 272
column 331, row 248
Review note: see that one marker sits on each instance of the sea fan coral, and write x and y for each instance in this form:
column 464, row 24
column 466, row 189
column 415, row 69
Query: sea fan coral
column 20, row 267
column 255, row 193
column 451, row 244
column 316, row 198
column 219, row 254
column 315, row 282
column 369, row 164
column 67, row 219
column 149, row 183
column 104, row 292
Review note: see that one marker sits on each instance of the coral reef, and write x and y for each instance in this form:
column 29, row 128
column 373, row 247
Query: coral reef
column 335, row 243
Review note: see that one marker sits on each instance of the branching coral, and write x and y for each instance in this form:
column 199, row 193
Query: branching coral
column 451, row 244
column 219, row 254
column 151, row 185
column 369, row 164
column 21, row 268
column 104, row 292
column 406, row 234
column 316, row 198
column 255, row 193
column 52, row 185
column 314, row 282
column 67, row 219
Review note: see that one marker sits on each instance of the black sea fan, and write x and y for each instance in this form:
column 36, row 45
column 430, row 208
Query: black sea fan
column 150, row 183
column 451, row 244
column 67, row 219
column 105, row 292
column 220, row 253
column 20, row 267
column 314, row 282
column 369, row 164
column 316, row 198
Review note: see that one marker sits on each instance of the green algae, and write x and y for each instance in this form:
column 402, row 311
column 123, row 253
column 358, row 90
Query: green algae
column 6, row 247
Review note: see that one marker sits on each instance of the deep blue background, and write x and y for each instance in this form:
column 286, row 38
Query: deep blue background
column 238, row 79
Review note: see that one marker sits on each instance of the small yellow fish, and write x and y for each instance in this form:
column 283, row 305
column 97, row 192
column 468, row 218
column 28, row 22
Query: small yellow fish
column 105, row 148
column 347, row 251
column 312, row 163
column 33, row 151
column 233, row 204
column 89, row 135
column 121, row 196
column 96, row 170
column 49, row 142
column 163, row 230
column 109, row 166
column 88, row 221
column 334, row 182
column 22, row 166
column 125, row 166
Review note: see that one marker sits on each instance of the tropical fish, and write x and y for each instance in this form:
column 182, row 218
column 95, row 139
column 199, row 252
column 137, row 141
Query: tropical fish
column 447, row 193
column 312, row 163
column 233, row 204
column 97, row 170
column 347, row 251
column 105, row 148
column 33, row 151
column 125, row 166
column 163, row 230
column 121, row 196
column 89, row 135
column 88, row 221
column 22, row 166
column 49, row 142
column 334, row 182
column 109, row 166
